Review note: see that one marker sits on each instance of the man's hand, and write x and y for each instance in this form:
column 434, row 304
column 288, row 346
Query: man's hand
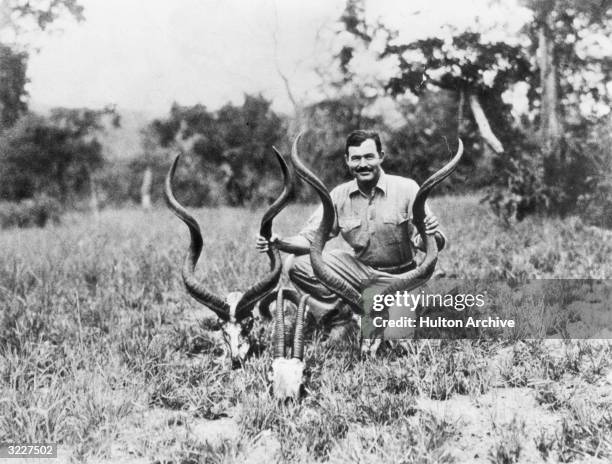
column 262, row 245
column 431, row 225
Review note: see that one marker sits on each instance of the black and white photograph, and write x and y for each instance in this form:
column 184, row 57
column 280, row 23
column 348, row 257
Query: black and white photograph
column 277, row 231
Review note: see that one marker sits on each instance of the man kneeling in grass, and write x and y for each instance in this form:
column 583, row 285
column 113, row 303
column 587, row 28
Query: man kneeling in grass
column 373, row 215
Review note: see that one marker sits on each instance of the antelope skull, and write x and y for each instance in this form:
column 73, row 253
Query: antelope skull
column 288, row 373
column 235, row 311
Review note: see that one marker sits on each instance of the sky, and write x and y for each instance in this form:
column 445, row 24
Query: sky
column 145, row 55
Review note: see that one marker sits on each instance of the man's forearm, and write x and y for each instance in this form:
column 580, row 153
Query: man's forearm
column 296, row 245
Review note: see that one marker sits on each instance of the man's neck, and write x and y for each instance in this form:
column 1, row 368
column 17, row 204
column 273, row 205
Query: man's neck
column 368, row 187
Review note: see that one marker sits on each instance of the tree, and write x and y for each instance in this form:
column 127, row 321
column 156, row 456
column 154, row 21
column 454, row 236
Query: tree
column 12, row 85
column 17, row 20
column 21, row 17
column 476, row 72
column 229, row 151
column 560, row 31
column 573, row 73
column 56, row 156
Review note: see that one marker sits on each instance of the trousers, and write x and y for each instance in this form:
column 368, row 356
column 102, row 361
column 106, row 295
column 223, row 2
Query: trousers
column 343, row 263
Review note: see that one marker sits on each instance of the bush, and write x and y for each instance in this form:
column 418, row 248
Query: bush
column 522, row 190
column 226, row 151
column 575, row 179
column 55, row 156
column 596, row 207
column 595, row 204
column 33, row 212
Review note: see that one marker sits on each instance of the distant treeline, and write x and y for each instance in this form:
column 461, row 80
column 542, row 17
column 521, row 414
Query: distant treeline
column 227, row 156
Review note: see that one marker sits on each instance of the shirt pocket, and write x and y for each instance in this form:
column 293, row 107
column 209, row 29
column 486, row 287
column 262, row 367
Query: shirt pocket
column 350, row 228
column 395, row 228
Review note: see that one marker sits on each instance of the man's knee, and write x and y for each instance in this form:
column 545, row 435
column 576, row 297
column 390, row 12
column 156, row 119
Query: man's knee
column 298, row 268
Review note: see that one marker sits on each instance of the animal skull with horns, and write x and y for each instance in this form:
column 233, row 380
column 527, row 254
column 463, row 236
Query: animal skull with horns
column 236, row 310
column 288, row 373
column 406, row 281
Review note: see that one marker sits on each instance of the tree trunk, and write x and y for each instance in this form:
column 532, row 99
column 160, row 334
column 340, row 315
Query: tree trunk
column 550, row 120
column 483, row 125
column 145, row 189
column 94, row 203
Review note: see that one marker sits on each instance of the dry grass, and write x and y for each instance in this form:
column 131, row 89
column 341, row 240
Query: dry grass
column 101, row 351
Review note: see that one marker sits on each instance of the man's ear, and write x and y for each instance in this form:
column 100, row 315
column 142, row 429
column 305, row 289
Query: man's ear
column 382, row 155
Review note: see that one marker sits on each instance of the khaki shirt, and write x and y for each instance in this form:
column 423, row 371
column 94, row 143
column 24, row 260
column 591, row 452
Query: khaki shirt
column 378, row 228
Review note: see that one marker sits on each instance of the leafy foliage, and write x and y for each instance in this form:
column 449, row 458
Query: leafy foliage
column 584, row 66
column 12, row 85
column 427, row 139
column 33, row 212
column 21, row 17
column 43, row 12
column 229, row 151
column 595, row 201
column 465, row 63
column 54, row 156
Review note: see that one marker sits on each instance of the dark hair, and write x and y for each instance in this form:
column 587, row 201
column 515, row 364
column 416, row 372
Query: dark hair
column 357, row 137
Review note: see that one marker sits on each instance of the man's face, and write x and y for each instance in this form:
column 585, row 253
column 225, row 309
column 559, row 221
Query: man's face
column 364, row 161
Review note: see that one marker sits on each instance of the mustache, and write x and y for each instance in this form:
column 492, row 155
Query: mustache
column 363, row 170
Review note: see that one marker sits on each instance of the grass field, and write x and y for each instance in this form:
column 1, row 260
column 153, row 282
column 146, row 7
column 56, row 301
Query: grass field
column 103, row 352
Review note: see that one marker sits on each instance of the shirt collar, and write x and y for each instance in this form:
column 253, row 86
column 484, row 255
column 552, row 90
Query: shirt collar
column 381, row 184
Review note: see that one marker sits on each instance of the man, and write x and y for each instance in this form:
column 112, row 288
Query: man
column 373, row 213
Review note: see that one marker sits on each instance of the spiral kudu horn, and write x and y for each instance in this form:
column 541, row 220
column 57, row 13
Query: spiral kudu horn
column 279, row 323
column 326, row 275
column 195, row 288
column 279, row 326
column 288, row 373
column 251, row 295
column 418, row 276
column 298, row 336
column 269, row 281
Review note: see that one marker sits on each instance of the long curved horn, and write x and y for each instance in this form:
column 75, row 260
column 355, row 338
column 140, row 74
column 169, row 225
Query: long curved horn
column 279, row 326
column 298, row 337
column 195, row 288
column 270, row 280
column 330, row 279
column 289, row 294
column 418, row 276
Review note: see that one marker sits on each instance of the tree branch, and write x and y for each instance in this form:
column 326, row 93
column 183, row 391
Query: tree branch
column 484, row 126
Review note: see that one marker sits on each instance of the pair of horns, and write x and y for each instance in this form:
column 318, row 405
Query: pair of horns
column 406, row 281
column 279, row 324
column 269, row 281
